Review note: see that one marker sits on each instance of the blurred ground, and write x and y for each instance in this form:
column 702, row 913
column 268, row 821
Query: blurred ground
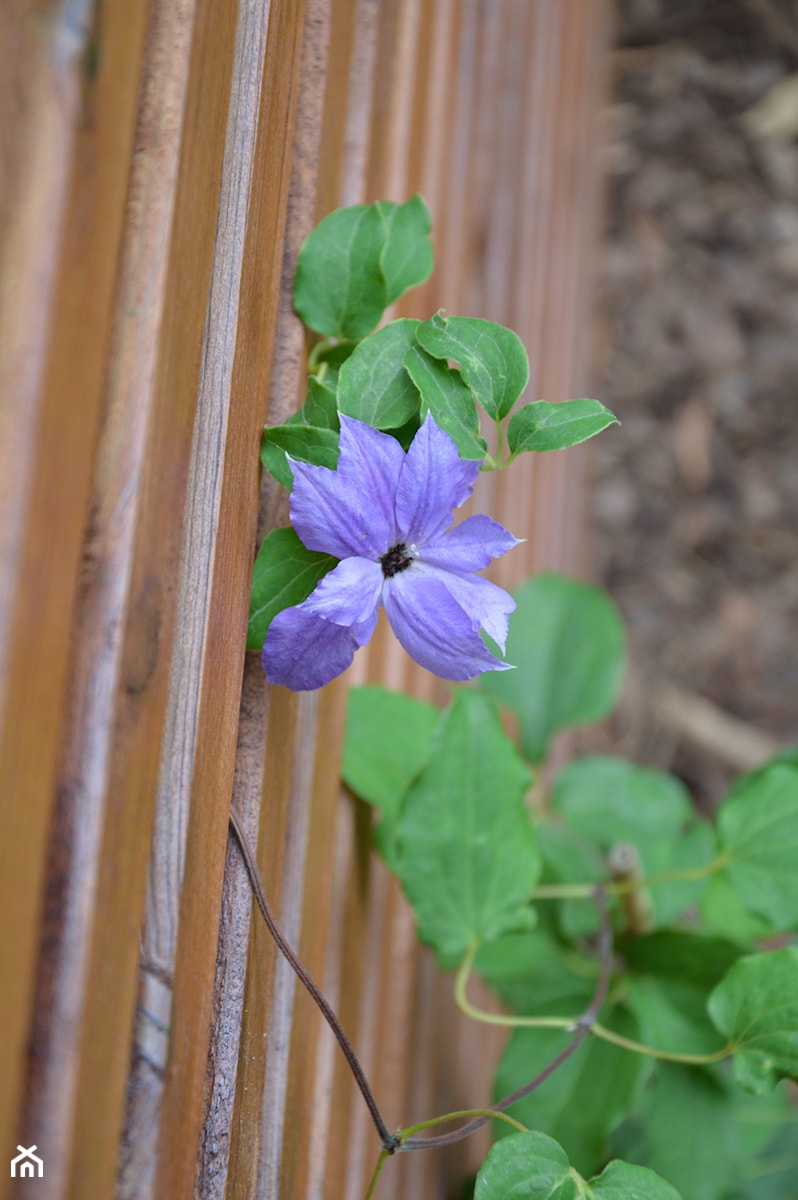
column 697, row 494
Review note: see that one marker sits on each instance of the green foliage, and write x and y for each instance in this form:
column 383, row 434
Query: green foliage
column 445, row 394
column 569, row 1107
column 285, row 573
column 474, row 848
column 310, row 435
column 357, row 261
column 532, row 974
column 541, row 426
column 465, row 849
column 388, row 741
column 373, row 384
column 684, row 1129
column 758, row 833
column 756, row 1007
column 607, row 801
column 304, row 442
column 567, row 637
column 531, row 1166
column 492, row 359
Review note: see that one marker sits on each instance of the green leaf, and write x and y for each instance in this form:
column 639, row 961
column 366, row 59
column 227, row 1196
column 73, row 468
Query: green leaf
column 387, row 742
column 531, row 1166
column 285, row 573
column 585, row 1098
column 570, row 858
column 567, row 641
column 542, row 426
column 321, row 406
column 446, row 396
column 607, row 800
column 340, row 288
column 373, row 384
column 357, row 261
column 758, row 834
column 768, row 1139
column 672, row 1015
column 693, row 958
column 723, row 912
column 533, row 974
column 407, row 253
column 465, row 846
column 756, row 1007
column 303, row 442
column 684, row 1130
column 492, row 359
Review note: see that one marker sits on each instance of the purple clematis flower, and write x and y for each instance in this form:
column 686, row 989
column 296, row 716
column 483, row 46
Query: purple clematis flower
column 385, row 513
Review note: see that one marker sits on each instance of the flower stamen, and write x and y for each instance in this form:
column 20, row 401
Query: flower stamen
column 395, row 560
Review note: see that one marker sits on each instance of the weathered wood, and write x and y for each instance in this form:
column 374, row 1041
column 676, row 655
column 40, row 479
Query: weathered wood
column 67, row 125
column 149, row 611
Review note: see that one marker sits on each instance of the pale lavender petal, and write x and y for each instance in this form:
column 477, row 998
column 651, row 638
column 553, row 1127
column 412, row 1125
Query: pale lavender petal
column 349, row 594
column 302, row 651
column 433, row 482
column 469, row 546
column 487, row 605
column 434, row 629
column 349, row 512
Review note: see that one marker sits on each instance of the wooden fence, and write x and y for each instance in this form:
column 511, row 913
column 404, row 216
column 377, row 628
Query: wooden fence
column 162, row 161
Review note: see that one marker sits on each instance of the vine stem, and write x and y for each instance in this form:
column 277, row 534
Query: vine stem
column 581, row 1024
column 489, row 1114
column 489, row 1018
column 584, row 891
column 389, row 1140
column 580, row 1030
column 668, row 1055
column 377, row 1172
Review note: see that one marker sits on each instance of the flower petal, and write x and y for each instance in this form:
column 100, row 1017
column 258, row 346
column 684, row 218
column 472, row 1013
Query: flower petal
column 350, row 511
column 434, row 629
column 433, row 482
column 469, row 546
column 302, row 651
column 349, row 594
column 487, row 605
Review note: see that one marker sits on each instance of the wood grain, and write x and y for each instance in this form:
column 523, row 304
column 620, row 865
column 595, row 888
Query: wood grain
column 68, row 137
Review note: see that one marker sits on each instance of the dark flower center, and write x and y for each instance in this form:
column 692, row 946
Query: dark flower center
column 397, row 559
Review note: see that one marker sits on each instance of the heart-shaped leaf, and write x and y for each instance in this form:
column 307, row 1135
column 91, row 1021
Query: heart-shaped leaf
column 492, row 359
column 531, row 1166
column 568, row 638
column 756, row 1007
column 758, row 834
column 466, row 851
column 373, row 385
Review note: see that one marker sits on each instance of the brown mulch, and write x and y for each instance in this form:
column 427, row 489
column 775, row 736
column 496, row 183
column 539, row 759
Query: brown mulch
column 696, row 501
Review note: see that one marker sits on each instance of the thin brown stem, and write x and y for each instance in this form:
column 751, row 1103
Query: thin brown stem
column 390, row 1141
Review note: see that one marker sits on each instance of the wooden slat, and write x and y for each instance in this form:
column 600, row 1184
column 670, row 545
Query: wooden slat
column 67, row 134
column 148, row 612
column 222, row 507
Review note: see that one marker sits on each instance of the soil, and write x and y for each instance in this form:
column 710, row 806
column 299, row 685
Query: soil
column 697, row 492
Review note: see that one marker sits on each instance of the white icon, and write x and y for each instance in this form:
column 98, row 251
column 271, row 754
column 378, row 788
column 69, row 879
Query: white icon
column 23, row 1164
